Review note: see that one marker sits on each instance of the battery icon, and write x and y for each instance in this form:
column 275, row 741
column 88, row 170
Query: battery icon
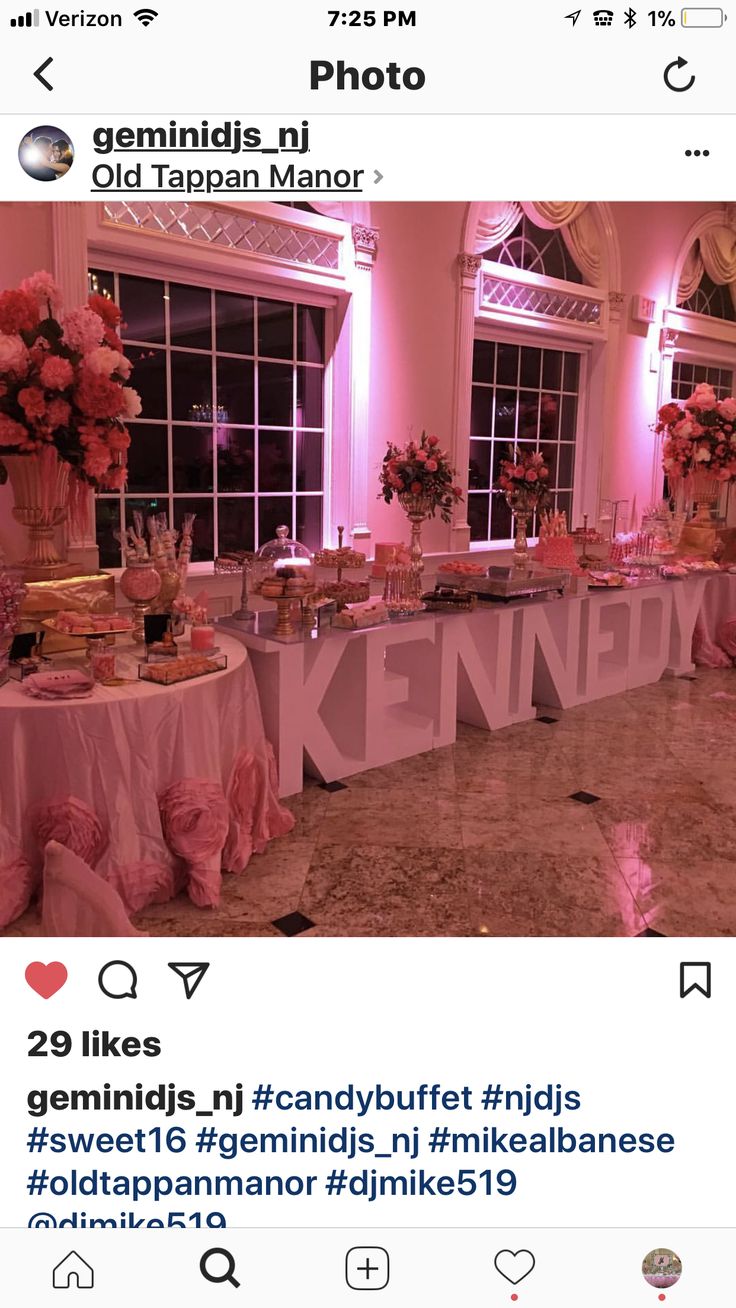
column 703, row 17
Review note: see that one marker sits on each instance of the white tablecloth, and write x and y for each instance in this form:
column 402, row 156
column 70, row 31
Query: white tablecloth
column 103, row 770
column 714, row 641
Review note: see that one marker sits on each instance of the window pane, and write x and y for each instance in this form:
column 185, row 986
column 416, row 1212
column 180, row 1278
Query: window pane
column 531, row 363
column 310, row 334
column 478, row 516
column 507, row 365
column 505, row 420
column 309, row 520
column 480, row 465
column 203, row 533
column 142, row 305
column 148, row 463
column 234, row 314
column 568, row 421
column 275, row 329
column 483, row 361
column 274, row 460
column 549, row 451
column 148, row 506
column 274, row 395
column 308, row 461
column 308, row 397
column 502, row 527
column 192, row 458
column 480, row 411
column 563, row 504
column 191, row 387
column 149, row 380
column 552, row 370
column 235, row 390
column 101, row 283
column 528, row 416
column 190, row 315
column 107, row 519
column 273, row 511
column 235, row 524
column 566, row 466
column 549, row 417
column 572, row 372
column 235, row 461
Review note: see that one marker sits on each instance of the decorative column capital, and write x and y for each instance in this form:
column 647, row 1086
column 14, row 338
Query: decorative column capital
column 365, row 241
column 468, row 269
column 616, row 302
column 668, row 340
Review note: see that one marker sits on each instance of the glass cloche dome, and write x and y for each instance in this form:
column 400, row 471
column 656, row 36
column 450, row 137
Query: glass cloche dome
column 284, row 562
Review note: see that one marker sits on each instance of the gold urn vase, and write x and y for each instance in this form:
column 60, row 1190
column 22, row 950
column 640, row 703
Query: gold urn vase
column 40, row 484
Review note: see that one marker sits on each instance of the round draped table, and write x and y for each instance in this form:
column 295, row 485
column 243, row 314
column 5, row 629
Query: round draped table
column 714, row 640
column 156, row 787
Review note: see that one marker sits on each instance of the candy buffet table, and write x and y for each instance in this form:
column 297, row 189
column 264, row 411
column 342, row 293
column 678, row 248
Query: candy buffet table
column 156, row 787
column 341, row 702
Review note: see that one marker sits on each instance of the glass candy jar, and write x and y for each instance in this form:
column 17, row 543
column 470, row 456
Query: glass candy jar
column 284, row 573
column 140, row 583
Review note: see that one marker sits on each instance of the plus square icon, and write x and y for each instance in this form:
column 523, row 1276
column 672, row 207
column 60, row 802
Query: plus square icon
column 367, row 1268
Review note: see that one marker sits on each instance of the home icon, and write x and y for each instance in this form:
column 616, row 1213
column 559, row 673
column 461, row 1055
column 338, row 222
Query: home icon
column 73, row 1271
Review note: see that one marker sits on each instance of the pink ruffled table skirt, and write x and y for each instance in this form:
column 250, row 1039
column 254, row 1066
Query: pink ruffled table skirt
column 714, row 639
column 156, row 787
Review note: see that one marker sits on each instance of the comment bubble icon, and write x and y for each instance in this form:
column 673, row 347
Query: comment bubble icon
column 118, row 980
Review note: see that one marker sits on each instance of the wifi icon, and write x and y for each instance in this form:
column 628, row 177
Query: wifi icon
column 145, row 16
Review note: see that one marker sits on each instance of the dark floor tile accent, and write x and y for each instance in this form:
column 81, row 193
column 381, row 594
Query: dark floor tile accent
column 547, row 721
column 650, row 932
column 293, row 924
column 584, row 797
column 332, row 786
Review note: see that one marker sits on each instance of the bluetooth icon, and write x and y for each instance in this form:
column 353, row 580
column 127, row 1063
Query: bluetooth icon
column 630, row 17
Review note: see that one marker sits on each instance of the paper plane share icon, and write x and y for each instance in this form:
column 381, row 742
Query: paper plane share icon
column 191, row 974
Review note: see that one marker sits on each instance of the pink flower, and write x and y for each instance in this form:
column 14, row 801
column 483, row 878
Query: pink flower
column 58, row 414
column 727, row 409
column 118, row 439
column 433, row 440
column 43, row 289
column 416, row 488
column 431, row 465
column 32, row 401
column 421, row 456
column 74, row 825
column 531, row 475
column 14, row 357
column 131, row 405
column 83, row 329
column 14, row 433
column 116, row 478
column 56, row 373
column 544, row 473
column 195, row 820
column 703, row 397
column 104, row 362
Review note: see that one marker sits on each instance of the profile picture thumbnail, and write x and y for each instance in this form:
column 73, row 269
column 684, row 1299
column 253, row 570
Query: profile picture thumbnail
column 661, row 1268
column 46, row 154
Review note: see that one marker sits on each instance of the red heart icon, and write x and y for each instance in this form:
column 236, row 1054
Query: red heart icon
column 46, row 978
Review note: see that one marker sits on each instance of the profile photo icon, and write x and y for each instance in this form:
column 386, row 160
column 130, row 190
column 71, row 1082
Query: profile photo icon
column 46, row 154
column 661, row 1268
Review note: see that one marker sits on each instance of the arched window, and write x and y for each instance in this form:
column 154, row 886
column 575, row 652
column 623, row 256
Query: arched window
column 536, row 251
column 714, row 301
column 539, row 312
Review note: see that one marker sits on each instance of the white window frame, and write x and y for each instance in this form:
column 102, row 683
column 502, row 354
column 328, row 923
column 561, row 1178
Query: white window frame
column 145, row 253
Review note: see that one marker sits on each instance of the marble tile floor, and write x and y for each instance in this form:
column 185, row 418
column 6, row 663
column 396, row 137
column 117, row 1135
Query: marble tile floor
column 614, row 819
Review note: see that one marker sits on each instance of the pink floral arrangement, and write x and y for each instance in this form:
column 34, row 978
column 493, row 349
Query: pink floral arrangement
column 524, row 478
column 421, row 468
column 699, row 435
column 63, row 381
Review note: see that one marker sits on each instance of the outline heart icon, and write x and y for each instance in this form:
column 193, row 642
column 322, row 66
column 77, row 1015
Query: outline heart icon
column 46, row 978
column 510, row 1259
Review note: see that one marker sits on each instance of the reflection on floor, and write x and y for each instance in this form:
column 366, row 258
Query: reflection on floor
column 614, row 819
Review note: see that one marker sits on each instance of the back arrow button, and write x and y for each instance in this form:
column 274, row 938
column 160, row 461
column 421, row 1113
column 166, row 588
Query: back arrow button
column 42, row 69
column 672, row 86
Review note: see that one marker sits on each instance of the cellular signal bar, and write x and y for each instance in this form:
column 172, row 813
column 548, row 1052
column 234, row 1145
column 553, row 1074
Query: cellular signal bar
column 30, row 19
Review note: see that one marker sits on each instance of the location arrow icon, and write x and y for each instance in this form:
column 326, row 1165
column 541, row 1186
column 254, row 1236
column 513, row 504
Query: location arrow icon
column 574, row 16
column 191, row 974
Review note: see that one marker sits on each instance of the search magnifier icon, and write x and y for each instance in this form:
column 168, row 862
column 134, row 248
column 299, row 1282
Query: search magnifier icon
column 218, row 1266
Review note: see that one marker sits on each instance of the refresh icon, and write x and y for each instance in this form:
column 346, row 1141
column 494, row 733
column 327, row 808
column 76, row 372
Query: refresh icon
column 673, row 86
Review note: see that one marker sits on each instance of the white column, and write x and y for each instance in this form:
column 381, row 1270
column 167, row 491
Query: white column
column 365, row 242
column 468, row 268
column 70, row 271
